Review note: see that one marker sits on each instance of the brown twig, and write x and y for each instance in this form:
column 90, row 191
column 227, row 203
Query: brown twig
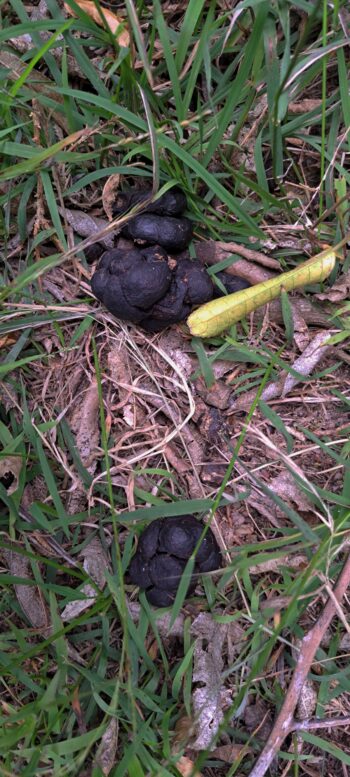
column 213, row 251
column 285, row 722
column 316, row 723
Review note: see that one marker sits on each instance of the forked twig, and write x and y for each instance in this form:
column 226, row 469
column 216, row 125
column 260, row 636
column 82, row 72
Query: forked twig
column 285, row 722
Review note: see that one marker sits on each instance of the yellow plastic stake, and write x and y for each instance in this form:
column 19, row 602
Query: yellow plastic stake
column 214, row 317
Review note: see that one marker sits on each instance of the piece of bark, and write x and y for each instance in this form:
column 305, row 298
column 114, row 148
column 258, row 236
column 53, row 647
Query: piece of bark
column 95, row 564
column 339, row 291
column 106, row 754
column 312, row 315
column 209, row 247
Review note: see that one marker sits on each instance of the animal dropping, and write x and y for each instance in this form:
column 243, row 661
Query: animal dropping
column 162, row 553
column 143, row 284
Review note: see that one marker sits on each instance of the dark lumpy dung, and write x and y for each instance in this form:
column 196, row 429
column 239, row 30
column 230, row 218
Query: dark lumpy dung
column 172, row 203
column 139, row 285
column 160, row 223
column 163, row 550
column 130, row 283
column 172, row 233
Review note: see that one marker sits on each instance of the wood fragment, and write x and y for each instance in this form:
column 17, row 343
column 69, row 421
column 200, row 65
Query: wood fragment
column 217, row 248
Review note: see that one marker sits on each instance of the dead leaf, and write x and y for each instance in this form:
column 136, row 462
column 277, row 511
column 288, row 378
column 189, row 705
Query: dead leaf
column 172, row 342
column 153, row 650
column 96, row 562
column 229, row 753
column 287, row 488
column 218, row 395
column 172, row 455
column 106, row 753
column 8, row 396
column 120, row 370
column 29, row 596
column 163, row 622
column 257, row 719
column 184, row 730
column 10, row 468
column 301, row 334
column 86, row 226
column 296, row 561
column 95, row 565
column 85, row 425
column 339, row 291
column 304, row 106
column 113, row 21
column 185, row 766
column 108, row 194
column 76, row 707
column 39, row 83
column 207, row 668
column 8, row 340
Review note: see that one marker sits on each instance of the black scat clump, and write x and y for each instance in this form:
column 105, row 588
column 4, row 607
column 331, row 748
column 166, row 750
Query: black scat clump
column 94, row 252
column 232, row 283
column 190, row 285
column 139, row 285
column 174, row 234
column 163, row 550
column 129, row 283
column 172, row 203
column 199, row 287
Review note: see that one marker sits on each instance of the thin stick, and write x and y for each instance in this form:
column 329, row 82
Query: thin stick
column 285, row 722
column 310, row 725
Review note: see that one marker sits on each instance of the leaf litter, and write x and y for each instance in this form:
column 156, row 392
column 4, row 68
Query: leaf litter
column 95, row 564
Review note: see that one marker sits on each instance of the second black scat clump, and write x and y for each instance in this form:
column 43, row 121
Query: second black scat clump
column 172, row 233
column 142, row 286
column 161, row 556
column 172, row 203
